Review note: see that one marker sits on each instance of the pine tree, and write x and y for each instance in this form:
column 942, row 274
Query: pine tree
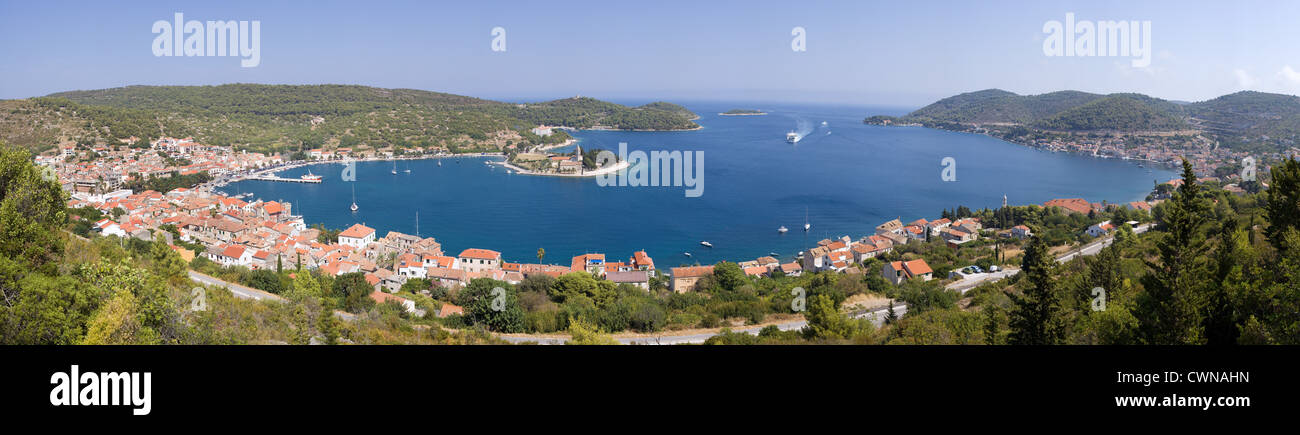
column 1169, row 311
column 328, row 326
column 1283, row 205
column 994, row 316
column 1220, row 320
column 891, row 316
column 1036, row 318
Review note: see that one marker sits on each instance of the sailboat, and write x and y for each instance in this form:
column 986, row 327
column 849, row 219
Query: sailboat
column 394, row 167
column 439, row 162
column 806, row 224
column 417, row 223
column 354, row 198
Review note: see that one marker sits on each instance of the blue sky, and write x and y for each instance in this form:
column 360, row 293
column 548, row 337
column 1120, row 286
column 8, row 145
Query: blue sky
column 858, row 52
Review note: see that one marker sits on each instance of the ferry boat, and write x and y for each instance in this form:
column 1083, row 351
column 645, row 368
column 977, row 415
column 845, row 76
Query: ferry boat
column 310, row 176
column 707, row 244
column 792, row 137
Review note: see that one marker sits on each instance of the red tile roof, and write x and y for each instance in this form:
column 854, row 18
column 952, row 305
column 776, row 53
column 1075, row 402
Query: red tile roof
column 357, row 231
column 917, row 267
column 692, row 271
column 640, row 258
column 233, row 251
column 1073, row 205
column 480, row 254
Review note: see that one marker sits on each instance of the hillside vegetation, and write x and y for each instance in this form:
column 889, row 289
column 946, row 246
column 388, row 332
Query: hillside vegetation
column 289, row 118
column 1254, row 121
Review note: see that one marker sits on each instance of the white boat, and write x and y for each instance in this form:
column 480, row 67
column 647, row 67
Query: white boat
column 439, row 162
column 354, row 198
column 394, row 167
column 782, row 230
column 707, row 244
column 310, row 176
column 806, row 224
column 792, row 137
column 773, row 254
column 823, row 123
column 688, row 254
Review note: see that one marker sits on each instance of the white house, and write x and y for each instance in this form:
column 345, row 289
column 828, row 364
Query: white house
column 109, row 228
column 1101, row 229
column 357, row 236
column 231, row 255
column 478, row 260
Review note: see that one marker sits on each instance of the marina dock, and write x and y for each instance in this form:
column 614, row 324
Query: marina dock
column 276, row 178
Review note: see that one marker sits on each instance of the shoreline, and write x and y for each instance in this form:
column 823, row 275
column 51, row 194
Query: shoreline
column 299, row 164
column 1166, row 165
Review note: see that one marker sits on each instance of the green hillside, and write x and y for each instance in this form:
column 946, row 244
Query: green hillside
column 1251, row 121
column 285, row 117
column 1118, row 112
column 996, row 105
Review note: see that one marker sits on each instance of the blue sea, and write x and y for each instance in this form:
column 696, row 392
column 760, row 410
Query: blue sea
column 846, row 176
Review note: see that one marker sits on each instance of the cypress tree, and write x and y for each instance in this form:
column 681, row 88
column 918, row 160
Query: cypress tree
column 1036, row 317
column 1169, row 311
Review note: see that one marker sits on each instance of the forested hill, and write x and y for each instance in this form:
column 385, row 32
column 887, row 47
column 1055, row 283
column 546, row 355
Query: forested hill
column 291, row 117
column 1260, row 120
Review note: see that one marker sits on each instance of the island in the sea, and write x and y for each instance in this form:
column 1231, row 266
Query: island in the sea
column 743, row 112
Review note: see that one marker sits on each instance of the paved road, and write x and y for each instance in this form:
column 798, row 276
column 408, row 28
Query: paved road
column 975, row 279
column 877, row 316
column 245, row 292
column 1095, row 247
column 239, row 290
